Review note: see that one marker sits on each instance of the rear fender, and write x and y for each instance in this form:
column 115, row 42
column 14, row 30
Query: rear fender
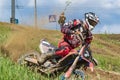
column 46, row 47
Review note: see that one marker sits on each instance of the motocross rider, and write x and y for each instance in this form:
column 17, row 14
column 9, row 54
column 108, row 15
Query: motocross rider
column 70, row 40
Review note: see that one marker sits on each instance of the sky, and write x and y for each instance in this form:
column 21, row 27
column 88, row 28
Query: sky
column 108, row 12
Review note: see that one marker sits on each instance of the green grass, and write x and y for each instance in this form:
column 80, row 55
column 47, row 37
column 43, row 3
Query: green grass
column 112, row 38
column 106, row 50
column 108, row 63
column 22, row 41
column 12, row 71
column 4, row 33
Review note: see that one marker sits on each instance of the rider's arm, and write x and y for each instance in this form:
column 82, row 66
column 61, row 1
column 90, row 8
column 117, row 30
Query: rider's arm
column 87, row 42
column 66, row 30
column 69, row 28
column 89, row 38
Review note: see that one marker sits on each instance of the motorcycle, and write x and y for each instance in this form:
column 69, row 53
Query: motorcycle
column 54, row 66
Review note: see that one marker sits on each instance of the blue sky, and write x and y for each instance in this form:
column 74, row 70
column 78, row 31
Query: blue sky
column 107, row 10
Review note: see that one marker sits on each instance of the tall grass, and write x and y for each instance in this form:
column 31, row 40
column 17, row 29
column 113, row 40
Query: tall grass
column 4, row 33
column 21, row 40
column 8, row 69
column 12, row 71
column 106, row 50
column 108, row 62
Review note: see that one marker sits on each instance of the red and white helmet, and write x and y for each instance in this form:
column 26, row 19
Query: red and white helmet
column 91, row 19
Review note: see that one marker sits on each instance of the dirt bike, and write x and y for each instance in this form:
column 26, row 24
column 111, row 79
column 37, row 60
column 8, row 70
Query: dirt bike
column 52, row 66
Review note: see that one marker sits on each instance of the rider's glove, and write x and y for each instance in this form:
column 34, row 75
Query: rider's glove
column 74, row 32
column 77, row 31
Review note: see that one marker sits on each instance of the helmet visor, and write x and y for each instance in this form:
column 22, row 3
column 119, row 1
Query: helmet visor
column 92, row 23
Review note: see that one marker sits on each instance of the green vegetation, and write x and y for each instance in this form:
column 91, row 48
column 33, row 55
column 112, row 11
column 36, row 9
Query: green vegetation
column 108, row 62
column 12, row 71
column 106, row 50
column 18, row 40
column 4, row 33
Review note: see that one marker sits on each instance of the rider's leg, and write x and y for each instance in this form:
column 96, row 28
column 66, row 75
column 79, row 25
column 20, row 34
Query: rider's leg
column 59, row 52
column 62, row 51
column 72, row 51
column 45, row 57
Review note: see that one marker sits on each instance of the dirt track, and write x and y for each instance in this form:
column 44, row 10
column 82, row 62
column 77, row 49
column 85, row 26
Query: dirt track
column 99, row 74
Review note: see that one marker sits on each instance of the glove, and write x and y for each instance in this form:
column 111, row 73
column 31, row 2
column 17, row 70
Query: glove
column 72, row 32
column 77, row 31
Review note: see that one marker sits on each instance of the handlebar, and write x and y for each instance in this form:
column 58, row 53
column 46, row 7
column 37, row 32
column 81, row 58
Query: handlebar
column 80, row 36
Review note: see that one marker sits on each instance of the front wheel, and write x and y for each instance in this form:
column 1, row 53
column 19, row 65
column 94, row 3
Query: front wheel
column 77, row 75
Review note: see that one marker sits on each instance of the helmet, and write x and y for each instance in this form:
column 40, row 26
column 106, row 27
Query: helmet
column 91, row 19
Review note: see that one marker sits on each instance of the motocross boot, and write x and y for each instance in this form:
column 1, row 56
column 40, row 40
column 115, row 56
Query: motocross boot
column 45, row 57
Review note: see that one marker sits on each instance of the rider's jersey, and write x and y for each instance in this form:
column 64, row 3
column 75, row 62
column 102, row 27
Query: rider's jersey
column 71, row 38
